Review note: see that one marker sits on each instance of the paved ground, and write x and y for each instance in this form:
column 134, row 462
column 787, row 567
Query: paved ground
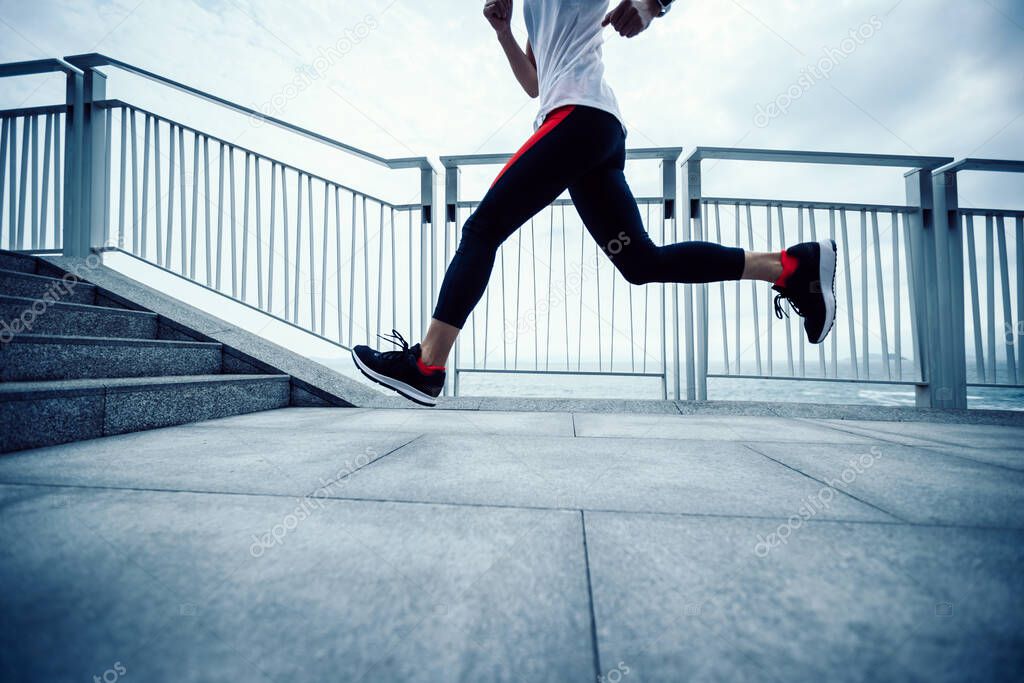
column 380, row 545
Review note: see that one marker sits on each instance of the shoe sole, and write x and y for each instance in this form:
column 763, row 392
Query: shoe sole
column 827, row 276
column 406, row 391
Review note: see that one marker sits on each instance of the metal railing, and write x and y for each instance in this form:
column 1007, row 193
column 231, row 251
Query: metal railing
column 879, row 295
column 989, row 243
column 921, row 284
column 537, row 311
column 315, row 253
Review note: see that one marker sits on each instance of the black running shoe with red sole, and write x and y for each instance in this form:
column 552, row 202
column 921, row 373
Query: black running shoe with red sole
column 401, row 370
column 810, row 289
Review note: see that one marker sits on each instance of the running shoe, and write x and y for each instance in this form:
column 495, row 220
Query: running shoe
column 808, row 284
column 402, row 371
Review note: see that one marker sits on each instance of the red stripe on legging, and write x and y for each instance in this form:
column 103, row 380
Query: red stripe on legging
column 550, row 122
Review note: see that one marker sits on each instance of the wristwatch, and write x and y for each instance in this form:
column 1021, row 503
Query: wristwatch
column 665, row 5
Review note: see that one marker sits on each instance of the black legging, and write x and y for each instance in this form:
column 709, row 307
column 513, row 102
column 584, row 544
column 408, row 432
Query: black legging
column 582, row 149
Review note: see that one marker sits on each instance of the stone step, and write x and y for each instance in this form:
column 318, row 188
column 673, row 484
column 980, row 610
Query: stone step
column 22, row 263
column 71, row 290
column 20, row 315
column 30, row 357
column 34, row 414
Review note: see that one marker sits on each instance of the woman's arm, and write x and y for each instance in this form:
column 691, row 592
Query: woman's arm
column 524, row 66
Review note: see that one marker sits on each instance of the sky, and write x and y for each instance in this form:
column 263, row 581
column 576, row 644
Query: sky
column 402, row 78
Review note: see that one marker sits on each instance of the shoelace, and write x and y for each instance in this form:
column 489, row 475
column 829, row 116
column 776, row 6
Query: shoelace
column 779, row 311
column 397, row 339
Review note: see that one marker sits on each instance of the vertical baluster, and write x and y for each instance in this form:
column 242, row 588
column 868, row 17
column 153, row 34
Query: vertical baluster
column 990, row 299
column 881, row 294
column 646, row 295
column 753, row 294
column 835, row 340
column 393, row 280
column 632, row 320
column 245, row 227
column 597, row 308
column 799, row 238
column 181, row 191
column 5, row 123
column 233, row 219
column 814, row 238
column 195, row 206
column 158, row 191
column 323, row 256
column 380, row 267
column 583, row 288
column 135, row 181
column 411, row 268
column 533, row 271
column 259, row 234
column 298, row 247
column 721, row 296
column 220, row 216
column 23, row 179
column 1004, row 278
column 43, row 217
column 166, row 261
column 738, row 242
column 565, row 280
column 366, row 269
column 337, row 254
column 145, row 188
column 896, row 302
column 551, row 267
column 849, row 292
column 34, row 142
column 286, row 241
column 771, row 326
column 206, row 210
column 352, row 275
column 972, row 266
column 788, row 322
column 864, row 332
column 271, row 253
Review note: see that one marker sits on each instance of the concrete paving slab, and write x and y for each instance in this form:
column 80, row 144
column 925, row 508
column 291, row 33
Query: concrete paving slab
column 712, row 428
column 235, row 460
column 166, row 585
column 616, row 474
column 687, row 599
column 924, row 434
column 917, row 485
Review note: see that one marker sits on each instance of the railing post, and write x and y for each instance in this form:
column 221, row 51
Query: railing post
column 668, row 195
column 451, row 215
column 696, row 346
column 951, row 356
column 428, row 262
column 95, row 196
column 74, row 238
column 924, row 283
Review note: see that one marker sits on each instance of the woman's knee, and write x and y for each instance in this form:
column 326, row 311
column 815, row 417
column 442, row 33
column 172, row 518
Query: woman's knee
column 636, row 263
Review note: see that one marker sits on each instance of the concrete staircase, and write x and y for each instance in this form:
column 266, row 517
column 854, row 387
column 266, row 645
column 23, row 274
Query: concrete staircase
column 79, row 362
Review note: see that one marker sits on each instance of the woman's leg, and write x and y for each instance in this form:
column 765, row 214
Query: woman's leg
column 569, row 144
column 608, row 209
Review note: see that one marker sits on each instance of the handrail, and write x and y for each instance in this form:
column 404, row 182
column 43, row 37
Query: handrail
column 121, row 104
column 454, row 160
column 996, row 165
column 38, row 66
column 804, row 157
column 94, row 60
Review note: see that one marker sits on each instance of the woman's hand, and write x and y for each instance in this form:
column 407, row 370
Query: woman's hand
column 499, row 14
column 632, row 17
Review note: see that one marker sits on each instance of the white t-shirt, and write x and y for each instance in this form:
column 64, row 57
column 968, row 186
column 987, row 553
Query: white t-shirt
column 566, row 37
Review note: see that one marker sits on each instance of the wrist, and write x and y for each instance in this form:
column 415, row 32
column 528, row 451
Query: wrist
column 504, row 33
